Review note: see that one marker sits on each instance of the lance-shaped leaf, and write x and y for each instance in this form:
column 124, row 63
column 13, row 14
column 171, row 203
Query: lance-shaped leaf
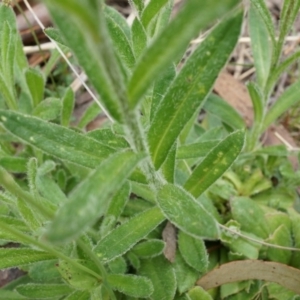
column 90, row 42
column 176, row 36
column 191, row 87
column 217, row 161
column 151, row 10
column 90, row 199
column 162, row 275
column 186, row 213
column 124, row 237
column 43, row 291
column 131, row 285
column 55, row 140
column 13, row 257
column 289, row 98
column 260, row 45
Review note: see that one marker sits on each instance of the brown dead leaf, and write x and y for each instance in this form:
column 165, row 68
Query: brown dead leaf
column 252, row 269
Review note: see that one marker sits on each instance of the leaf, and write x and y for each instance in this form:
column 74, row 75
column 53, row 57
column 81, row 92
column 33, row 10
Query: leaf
column 220, row 108
column 89, row 115
column 282, row 236
column 75, row 278
column 44, row 272
column 186, row 213
column 115, row 208
column 248, row 269
column 185, row 275
column 151, row 11
column 55, row 140
column 108, row 137
column 216, row 162
column 67, row 107
column 197, row 293
column 43, row 291
column 48, row 109
column 289, row 98
column 131, row 285
column 177, row 35
column 169, row 166
column 14, row 257
column 162, row 275
column 191, row 87
column 265, row 14
column 35, row 82
column 257, row 102
column 250, row 215
column 124, row 237
column 261, row 47
column 139, row 37
column 196, row 150
column 97, row 189
column 193, row 252
column 149, row 248
column 137, row 4
column 121, row 42
column 160, row 88
column 14, row 164
column 91, row 44
column 79, row 295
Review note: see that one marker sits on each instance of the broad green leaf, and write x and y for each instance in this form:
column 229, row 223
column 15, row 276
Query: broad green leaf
column 139, row 37
column 55, row 140
column 161, row 273
column 131, row 285
column 239, row 245
column 79, row 295
column 15, row 257
column 108, row 137
column 177, row 35
column 193, row 252
column 186, row 213
column 219, row 107
column 115, row 209
column 14, row 164
column 44, row 272
column 67, row 107
column 185, row 275
column 91, row 44
column 10, row 295
column 50, row 190
column 118, row 265
column 35, row 82
column 279, row 292
column 151, row 11
column 89, row 115
column 289, row 98
column 96, row 190
column 149, row 248
column 260, row 45
column 49, row 109
column 262, row 9
column 196, row 150
column 217, row 161
column 124, row 237
column 76, row 278
column 160, row 88
column 198, row 293
column 191, row 87
column 282, row 236
column 250, row 215
column 43, row 291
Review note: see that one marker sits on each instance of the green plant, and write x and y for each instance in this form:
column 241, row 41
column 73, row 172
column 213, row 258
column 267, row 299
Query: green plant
column 88, row 208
